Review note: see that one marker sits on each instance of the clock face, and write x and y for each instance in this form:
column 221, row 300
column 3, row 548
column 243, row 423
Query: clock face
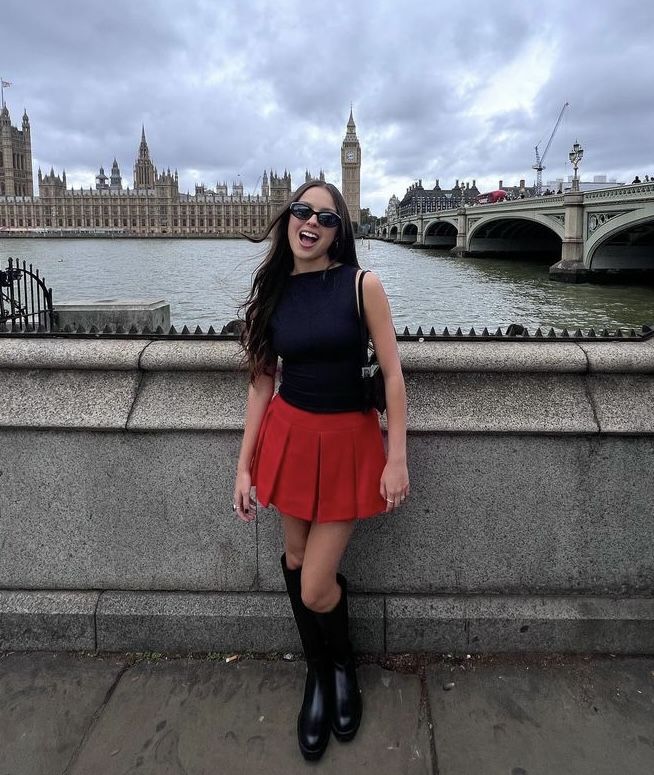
column 350, row 155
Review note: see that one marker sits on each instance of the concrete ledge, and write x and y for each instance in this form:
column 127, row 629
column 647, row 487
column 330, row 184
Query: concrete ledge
column 501, row 403
column 42, row 620
column 193, row 356
column 224, row 355
column 179, row 623
column 459, row 624
column 493, row 356
column 622, row 357
column 70, row 353
column 615, row 412
column 115, row 312
column 203, row 400
column 187, row 622
column 66, row 399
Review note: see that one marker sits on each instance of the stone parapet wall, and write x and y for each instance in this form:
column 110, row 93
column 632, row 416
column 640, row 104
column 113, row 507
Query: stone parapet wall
column 528, row 527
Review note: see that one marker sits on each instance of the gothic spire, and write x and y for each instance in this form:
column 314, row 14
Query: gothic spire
column 144, row 153
column 351, row 132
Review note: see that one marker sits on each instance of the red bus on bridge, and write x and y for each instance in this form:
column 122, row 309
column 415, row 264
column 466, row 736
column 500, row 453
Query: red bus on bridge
column 491, row 197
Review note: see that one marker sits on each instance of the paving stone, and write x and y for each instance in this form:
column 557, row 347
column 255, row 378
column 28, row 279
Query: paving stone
column 47, row 703
column 186, row 716
column 544, row 717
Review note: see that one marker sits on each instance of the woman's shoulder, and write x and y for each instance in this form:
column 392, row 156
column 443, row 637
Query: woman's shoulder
column 373, row 290
column 370, row 279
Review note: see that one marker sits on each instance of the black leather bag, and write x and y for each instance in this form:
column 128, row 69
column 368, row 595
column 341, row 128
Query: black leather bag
column 372, row 379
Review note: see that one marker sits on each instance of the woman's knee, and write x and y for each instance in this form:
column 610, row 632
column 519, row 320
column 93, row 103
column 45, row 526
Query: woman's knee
column 318, row 594
column 294, row 557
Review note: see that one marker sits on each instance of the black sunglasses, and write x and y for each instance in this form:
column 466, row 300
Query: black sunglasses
column 325, row 217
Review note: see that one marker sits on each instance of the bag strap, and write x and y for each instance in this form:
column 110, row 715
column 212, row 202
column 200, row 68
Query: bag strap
column 363, row 329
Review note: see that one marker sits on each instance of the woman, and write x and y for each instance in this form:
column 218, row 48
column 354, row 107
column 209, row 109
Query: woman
column 311, row 451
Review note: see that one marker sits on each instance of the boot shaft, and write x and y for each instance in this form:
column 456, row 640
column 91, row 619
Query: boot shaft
column 335, row 626
column 311, row 635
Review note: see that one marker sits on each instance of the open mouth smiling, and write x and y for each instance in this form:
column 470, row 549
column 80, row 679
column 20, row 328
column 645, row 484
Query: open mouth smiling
column 308, row 238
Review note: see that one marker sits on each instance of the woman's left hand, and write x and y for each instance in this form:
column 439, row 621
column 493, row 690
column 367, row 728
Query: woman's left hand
column 394, row 485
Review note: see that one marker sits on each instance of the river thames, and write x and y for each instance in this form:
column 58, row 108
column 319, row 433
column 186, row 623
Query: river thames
column 205, row 280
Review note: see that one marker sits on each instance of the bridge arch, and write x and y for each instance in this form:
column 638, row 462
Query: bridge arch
column 440, row 233
column 409, row 233
column 623, row 242
column 393, row 233
column 528, row 237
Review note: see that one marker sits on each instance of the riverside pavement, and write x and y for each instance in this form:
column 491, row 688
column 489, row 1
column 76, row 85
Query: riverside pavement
column 126, row 714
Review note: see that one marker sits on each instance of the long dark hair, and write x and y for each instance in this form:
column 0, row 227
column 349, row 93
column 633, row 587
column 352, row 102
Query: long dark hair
column 271, row 275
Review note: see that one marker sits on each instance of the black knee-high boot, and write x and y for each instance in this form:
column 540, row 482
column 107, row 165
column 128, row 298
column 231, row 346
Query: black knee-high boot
column 314, row 719
column 347, row 705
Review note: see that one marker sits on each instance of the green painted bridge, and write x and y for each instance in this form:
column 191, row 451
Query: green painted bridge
column 589, row 234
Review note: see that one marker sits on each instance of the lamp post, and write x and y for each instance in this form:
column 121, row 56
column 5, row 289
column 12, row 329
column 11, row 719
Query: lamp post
column 575, row 156
column 463, row 188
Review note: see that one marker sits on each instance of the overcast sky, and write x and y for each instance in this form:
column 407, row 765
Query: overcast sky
column 229, row 87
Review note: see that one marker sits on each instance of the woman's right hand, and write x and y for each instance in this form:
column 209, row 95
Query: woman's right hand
column 246, row 505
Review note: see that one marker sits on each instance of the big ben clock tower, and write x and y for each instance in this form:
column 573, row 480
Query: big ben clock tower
column 351, row 172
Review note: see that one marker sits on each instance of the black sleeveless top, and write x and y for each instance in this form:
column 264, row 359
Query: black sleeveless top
column 315, row 330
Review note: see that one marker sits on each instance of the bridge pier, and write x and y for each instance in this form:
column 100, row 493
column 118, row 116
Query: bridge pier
column 461, row 235
column 571, row 269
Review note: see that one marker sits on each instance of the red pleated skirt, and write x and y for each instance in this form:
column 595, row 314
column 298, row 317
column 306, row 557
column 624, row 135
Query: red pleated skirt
column 323, row 467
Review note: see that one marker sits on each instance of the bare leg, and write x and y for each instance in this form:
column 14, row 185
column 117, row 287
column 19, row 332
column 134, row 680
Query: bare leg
column 296, row 532
column 323, row 552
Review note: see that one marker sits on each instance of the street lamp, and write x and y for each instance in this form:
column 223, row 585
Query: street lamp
column 463, row 188
column 575, row 156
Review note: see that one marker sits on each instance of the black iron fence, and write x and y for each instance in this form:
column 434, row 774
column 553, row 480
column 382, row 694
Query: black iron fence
column 25, row 300
column 231, row 332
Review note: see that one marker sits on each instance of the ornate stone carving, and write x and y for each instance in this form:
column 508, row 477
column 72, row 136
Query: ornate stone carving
column 595, row 220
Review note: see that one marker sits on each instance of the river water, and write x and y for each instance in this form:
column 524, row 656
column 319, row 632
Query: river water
column 204, row 281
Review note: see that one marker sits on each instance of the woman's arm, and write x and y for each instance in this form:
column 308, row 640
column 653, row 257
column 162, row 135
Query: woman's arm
column 259, row 395
column 394, row 485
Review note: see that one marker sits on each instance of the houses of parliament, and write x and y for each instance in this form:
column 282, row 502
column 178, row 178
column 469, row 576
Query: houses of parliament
column 154, row 206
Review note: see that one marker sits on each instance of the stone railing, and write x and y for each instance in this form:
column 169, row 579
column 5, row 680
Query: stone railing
column 634, row 190
column 529, row 525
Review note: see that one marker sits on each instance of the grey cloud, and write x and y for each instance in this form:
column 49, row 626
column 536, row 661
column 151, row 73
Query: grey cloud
column 232, row 88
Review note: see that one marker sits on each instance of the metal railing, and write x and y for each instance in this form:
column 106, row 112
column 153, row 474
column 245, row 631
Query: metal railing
column 25, row 300
column 231, row 332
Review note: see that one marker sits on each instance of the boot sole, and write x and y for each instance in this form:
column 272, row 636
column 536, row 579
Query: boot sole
column 311, row 754
column 345, row 737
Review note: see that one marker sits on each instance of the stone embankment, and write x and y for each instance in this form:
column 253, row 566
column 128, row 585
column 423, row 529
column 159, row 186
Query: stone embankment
column 529, row 526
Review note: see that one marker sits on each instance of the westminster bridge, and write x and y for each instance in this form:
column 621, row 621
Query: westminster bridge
column 593, row 233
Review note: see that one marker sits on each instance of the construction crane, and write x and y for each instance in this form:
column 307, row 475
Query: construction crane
column 539, row 167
